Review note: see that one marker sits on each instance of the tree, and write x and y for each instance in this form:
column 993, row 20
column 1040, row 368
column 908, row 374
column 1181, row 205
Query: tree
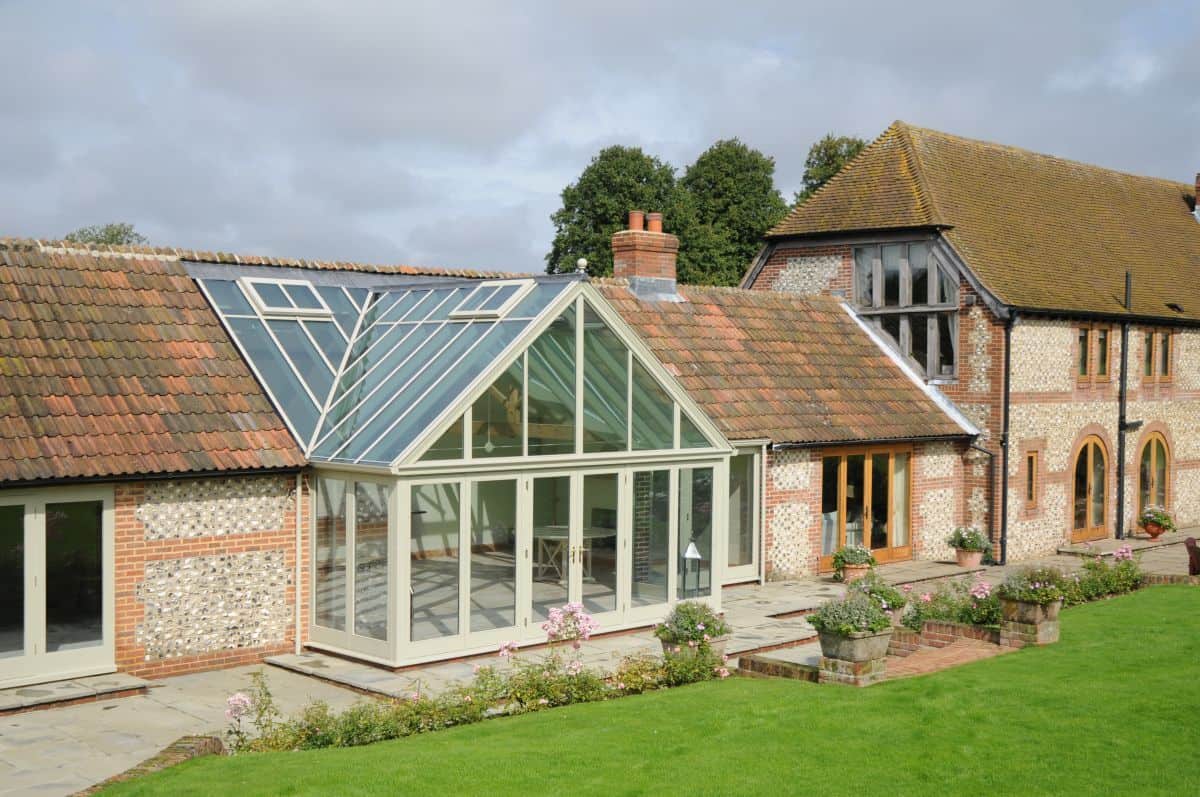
column 726, row 200
column 825, row 159
column 117, row 233
column 618, row 180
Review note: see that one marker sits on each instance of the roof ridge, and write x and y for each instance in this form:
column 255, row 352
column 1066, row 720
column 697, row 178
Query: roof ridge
column 1041, row 155
column 925, row 194
column 836, row 177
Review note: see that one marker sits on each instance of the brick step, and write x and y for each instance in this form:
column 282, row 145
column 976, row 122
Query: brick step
column 800, row 663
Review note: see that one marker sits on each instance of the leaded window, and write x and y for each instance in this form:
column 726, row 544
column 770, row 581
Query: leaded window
column 913, row 299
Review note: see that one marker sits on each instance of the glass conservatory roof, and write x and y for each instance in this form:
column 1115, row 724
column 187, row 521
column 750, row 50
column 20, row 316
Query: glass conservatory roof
column 359, row 373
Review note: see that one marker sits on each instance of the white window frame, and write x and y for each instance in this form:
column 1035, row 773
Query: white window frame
column 248, row 284
column 524, row 286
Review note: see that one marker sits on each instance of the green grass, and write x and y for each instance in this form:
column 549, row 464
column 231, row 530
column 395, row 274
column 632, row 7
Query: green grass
column 1114, row 708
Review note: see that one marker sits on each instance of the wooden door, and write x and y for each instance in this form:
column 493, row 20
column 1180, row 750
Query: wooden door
column 1090, row 504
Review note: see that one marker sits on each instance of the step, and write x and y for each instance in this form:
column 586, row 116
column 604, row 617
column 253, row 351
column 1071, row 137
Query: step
column 800, row 663
column 76, row 690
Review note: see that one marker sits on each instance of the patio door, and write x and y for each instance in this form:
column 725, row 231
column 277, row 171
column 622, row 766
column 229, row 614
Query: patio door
column 866, row 501
column 56, row 585
column 1090, row 477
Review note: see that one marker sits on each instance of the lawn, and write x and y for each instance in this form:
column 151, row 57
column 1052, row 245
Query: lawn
column 1114, row 708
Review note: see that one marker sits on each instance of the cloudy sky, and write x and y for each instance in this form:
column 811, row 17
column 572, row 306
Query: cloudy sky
column 441, row 133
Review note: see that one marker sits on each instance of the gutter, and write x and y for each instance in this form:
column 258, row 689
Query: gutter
column 147, row 477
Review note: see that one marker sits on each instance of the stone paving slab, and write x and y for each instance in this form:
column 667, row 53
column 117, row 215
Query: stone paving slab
column 26, row 697
column 1138, row 541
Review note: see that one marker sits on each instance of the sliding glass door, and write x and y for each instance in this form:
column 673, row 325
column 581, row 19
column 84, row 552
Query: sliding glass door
column 56, row 585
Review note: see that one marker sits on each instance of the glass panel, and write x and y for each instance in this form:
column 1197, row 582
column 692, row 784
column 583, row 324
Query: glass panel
column 947, row 343
column 856, row 490
column 551, row 544
column 74, row 575
column 1102, row 352
column 410, row 306
column 900, row 499
column 449, row 445
column 1148, row 355
column 446, row 301
column 947, row 287
column 228, row 297
column 863, row 278
column 891, row 275
column 330, row 554
column 271, row 295
column 1164, row 354
column 345, row 314
column 1098, row 486
column 1083, row 352
column 829, row 505
column 502, row 295
column 493, row 555
column 303, row 297
column 741, row 510
column 880, row 500
column 651, row 536
column 552, row 388
column 371, row 559
column 1030, row 478
column 918, row 269
column 12, row 581
column 330, row 341
column 918, row 326
column 539, row 298
column 1081, row 483
column 690, row 435
column 653, row 412
column 496, row 417
column 303, row 354
column 1160, row 473
column 600, row 542
column 433, row 553
column 891, row 325
column 604, row 379
column 1146, row 476
column 475, row 300
column 695, row 532
column 285, row 387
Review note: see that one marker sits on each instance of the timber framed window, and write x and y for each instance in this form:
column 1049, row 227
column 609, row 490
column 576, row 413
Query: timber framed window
column 1156, row 355
column 913, row 297
column 1093, row 355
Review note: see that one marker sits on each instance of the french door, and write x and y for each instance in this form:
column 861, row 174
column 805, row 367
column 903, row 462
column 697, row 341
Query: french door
column 56, row 585
column 866, row 499
column 1090, row 515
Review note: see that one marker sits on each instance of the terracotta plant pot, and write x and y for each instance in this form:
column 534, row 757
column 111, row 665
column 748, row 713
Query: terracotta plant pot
column 968, row 558
column 717, row 645
column 852, row 573
column 862, row 646
column 1153, row 529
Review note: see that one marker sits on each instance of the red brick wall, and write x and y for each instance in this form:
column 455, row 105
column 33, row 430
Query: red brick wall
column 139, row 552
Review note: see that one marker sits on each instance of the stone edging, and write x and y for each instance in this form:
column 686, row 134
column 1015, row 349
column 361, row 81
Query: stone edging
column 1157, row 578
column 182, row 749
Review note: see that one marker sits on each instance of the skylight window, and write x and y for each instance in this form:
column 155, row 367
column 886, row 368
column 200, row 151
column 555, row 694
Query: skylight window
column 285, row 298
column 492, row 299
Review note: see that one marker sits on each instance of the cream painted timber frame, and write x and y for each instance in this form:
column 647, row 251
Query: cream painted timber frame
column 752, row 571
column 37, row 665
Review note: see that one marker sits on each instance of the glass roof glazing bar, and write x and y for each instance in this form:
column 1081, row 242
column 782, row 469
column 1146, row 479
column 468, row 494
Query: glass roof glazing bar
column 344, row 392
column 303, row 383
column 320, row 349
column 341, row 369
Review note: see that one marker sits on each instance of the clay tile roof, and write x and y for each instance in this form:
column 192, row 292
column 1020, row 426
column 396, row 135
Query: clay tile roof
column 116, row 366
column 1040, row 232
column 780, row 367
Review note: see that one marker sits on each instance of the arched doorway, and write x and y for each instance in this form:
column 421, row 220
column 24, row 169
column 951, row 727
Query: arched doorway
column 1154, row 473
column 1090, row 507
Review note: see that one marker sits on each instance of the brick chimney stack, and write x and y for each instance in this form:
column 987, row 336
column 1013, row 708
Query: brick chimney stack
column 1196, row 198
column 646, row 257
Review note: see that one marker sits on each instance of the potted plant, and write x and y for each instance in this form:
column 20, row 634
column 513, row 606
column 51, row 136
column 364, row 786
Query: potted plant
column 891, row 600
column 853, row 628
column 1031, row 596
column 1155, row 520
column 691, row 627
column 852, row 562
column 970, row 544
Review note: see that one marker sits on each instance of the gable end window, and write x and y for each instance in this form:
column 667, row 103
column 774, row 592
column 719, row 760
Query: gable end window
column 913, row 298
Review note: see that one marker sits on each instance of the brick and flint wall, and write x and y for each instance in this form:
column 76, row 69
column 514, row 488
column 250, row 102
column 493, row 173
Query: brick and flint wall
column 205, row 572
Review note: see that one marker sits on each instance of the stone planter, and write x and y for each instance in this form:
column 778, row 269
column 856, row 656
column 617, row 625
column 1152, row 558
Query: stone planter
column 968, row 558
column 1031, row 613
column 860, row 646
column 717, row 645
column 852, row 573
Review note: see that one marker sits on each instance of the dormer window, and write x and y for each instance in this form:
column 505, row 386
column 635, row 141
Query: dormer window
column 912, row 297
column 492, row 299
column 285, row 298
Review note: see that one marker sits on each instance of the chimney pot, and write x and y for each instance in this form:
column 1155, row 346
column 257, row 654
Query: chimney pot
column 646, row 257
column 654, row 222
column 635, row 220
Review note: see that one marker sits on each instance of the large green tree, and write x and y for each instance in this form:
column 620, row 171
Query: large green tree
column 117, row 234
column 825, row 159
column 595, row 206
column 730, row 198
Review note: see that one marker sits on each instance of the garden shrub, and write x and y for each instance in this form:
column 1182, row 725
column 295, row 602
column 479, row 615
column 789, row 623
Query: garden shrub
column 1099, row 579
column 853, row 614
column 955, row 602
column 881, row 593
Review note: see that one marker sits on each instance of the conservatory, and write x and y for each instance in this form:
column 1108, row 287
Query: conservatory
column 482, row 451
